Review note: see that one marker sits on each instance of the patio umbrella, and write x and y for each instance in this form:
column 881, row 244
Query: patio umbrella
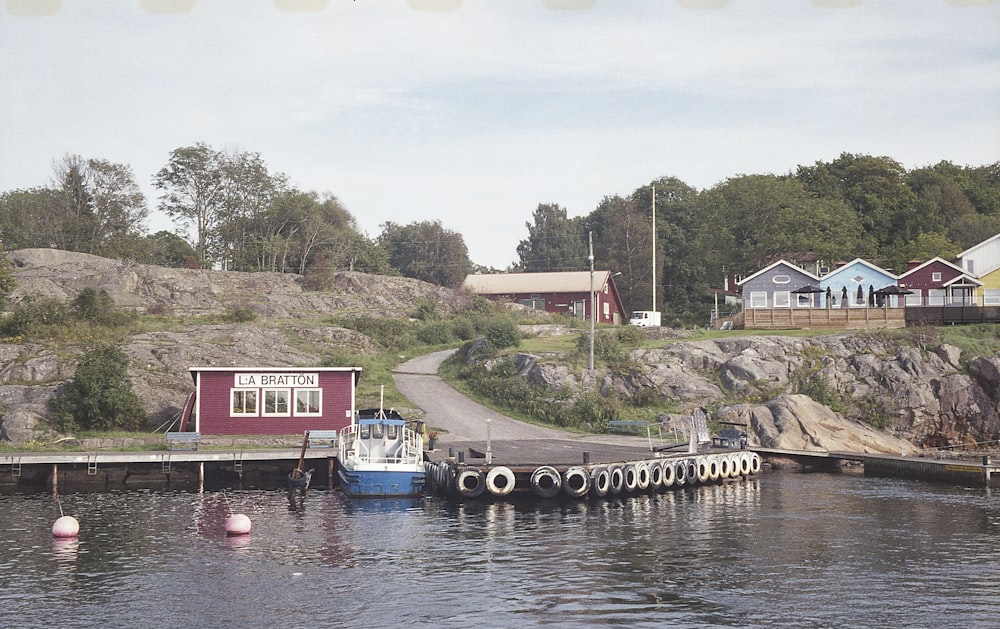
column 808, row 288
column 871, row 295
column 829, row 296
column 892, row 289
column 861, row 294
column 843, row 297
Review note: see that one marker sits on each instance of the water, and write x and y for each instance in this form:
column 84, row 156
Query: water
column 781, row 549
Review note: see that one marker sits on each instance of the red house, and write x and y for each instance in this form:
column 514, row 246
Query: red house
column 566, row 292
column 272, row 400
column 938, row 282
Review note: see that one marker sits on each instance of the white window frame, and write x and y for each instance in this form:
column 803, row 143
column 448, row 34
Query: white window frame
column 285, row 393
column 936, row 296
column 319, row 402
column 803, row 300
column 991, row 296
column 782, row 299
column 914, row 299
column 244, row 395
column 936, row 276
column 758, row 299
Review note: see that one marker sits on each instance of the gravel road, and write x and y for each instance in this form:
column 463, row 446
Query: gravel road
column 465, row 419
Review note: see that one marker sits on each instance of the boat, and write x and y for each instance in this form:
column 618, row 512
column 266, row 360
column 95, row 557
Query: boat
column 380, row 454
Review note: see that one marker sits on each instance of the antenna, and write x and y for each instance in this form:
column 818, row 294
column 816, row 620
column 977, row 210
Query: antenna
column 654, row 247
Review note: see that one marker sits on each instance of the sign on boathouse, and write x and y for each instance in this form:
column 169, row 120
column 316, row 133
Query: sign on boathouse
column 273, row 400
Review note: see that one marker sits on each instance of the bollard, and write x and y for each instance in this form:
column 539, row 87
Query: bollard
column 586, row 457
column 461, row 456
column 451, row 452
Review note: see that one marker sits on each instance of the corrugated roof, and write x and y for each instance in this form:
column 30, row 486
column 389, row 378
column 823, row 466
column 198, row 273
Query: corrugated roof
column 556, row 282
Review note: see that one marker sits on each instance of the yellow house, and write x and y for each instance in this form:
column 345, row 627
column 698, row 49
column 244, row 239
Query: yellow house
column 989, row 293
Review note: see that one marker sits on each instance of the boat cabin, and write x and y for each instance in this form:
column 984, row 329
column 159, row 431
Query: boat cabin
column 271, row 400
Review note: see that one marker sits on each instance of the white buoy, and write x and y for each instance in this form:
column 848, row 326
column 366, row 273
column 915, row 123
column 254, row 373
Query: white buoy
column 66, row 526
column 237, row 524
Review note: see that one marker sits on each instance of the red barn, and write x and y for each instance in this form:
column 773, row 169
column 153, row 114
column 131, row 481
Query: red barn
column 272, row 400
column 565, row 292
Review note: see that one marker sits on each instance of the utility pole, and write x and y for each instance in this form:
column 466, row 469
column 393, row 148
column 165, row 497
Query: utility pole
column 593, row 299
column 654, row 248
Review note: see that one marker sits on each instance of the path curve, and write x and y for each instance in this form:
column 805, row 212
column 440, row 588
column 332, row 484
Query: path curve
column 465, row 419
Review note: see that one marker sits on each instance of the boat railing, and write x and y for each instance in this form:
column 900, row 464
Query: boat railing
column 408, row 449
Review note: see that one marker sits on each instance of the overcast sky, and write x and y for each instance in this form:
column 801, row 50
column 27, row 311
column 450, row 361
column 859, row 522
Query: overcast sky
column 473, row 112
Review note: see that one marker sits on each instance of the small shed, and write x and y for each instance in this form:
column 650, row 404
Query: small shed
column 565, row 292
column 272, row 400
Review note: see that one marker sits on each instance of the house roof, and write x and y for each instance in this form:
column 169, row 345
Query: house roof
column 843, row 269
column 779, row 262
column 928, row 263
column 973, row 248
column 555, row 282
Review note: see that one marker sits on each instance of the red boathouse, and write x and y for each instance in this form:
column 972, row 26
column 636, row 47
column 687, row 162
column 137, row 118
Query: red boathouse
column 272, row 400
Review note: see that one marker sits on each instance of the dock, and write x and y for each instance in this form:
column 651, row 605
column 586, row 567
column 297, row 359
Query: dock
column 963, row 472
column 116, row 469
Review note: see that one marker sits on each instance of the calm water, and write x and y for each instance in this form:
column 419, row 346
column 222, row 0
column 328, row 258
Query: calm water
column 782, row 549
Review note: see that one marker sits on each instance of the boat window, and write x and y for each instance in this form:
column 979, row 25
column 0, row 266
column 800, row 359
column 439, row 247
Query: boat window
column 377, row 431
column 392, row 432
column 365, row 432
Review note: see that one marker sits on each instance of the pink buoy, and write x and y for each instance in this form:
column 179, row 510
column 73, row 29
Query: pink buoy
column 65, row 526
column 237, row 524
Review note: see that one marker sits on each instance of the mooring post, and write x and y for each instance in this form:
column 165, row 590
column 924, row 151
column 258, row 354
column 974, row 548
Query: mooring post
column 987, row 463
column 461, row 456
column 586, row 457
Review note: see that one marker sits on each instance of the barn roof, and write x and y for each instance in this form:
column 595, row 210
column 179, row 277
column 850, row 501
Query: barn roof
column 555, row 282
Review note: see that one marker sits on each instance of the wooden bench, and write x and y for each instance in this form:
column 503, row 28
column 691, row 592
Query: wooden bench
column 728, row 438
column 183, row 440
column 322, row 438
column 627, row 426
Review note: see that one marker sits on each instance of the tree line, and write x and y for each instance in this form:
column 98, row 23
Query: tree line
column 242, row 216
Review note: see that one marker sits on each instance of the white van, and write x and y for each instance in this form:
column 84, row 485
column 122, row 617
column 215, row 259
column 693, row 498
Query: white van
column 645, row 318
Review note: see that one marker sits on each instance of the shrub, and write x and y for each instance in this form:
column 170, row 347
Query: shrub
column 100, row 396
column 30, row 316
column 463, row 328
column 240, row 314
column 391, row 334
column 631, row 336
column 502, row 333
column 435, row 333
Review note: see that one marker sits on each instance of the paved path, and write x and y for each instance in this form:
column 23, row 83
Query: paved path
column 465, row 420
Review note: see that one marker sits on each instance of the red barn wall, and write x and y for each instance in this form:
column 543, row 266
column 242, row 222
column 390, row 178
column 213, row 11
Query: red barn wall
column 215, row 417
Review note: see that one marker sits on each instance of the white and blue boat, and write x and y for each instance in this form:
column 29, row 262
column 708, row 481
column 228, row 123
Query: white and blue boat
column 380, row 455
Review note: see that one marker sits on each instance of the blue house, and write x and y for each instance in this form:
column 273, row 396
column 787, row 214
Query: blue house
column 780, row 285
column 853, row 285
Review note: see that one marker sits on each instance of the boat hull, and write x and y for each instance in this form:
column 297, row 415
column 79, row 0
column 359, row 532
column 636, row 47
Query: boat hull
column 381, row 482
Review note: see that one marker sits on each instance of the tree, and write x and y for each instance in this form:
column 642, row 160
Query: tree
column 100, row 396
column 168, row 249
column 99, row 208
column 7, row 281
column 194, row 187
column 426, row 251
column 555, row 242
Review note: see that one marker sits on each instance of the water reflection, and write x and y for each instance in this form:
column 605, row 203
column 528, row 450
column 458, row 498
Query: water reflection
column 776, row 550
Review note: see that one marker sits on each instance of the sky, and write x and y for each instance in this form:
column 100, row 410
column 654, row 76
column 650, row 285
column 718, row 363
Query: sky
column 473, row 112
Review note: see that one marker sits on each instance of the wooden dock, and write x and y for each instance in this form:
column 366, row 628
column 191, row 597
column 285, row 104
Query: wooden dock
column 984, row 473
column 106, row 469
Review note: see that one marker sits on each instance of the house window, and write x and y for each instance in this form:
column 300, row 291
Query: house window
column 803, row 301
column 936, row 276
column 991, row 297
column 607, row 309
column 244, row 401
column 936, row 296
column 781, row 299
column 758, row 299
column 781, row 279
column 914, row 299
column 276, row 402
column 308, row 402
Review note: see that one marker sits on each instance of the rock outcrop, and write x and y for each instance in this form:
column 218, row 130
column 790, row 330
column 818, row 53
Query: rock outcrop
column 827, row 392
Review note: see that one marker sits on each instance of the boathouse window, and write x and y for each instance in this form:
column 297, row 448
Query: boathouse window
column 276, row 402
column 244, row 401
column 991, row 296
column 758, row 299
column 308, row 402
column 781, row 299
